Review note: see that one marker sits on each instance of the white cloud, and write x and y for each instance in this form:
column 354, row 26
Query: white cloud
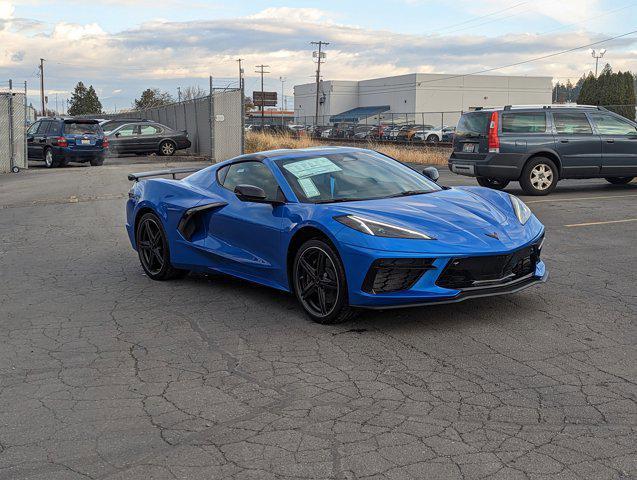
column 289, row 14
column 6, row 10
column 72, row 31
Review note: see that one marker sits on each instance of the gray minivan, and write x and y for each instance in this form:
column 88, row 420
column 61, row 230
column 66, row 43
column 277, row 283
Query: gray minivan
column 538, row 146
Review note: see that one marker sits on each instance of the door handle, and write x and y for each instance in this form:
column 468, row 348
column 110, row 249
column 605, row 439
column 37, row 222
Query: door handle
column 610, row 140
column 564, row 140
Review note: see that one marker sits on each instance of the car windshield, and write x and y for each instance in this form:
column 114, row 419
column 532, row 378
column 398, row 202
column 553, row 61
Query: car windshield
column 351, row 176
column 75, row 128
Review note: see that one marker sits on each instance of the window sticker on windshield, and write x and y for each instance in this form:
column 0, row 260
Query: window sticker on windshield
column 311, row 167
column 309, row 188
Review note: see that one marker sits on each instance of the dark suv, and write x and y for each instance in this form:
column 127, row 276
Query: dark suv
column 538, row 146
column 58, row 141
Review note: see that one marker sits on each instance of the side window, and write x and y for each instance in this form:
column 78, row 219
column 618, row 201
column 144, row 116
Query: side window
column 149, row 130
column 250, row 173
column 572, row 123
column 610, row 125
column 44, row 126
column 127, row 131
column 33, row 128
column 523, row 122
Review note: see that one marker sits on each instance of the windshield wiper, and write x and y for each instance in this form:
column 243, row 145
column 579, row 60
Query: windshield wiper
column 410, row 192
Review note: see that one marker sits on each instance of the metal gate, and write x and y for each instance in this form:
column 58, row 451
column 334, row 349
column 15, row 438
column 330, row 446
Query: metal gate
column 12, row 132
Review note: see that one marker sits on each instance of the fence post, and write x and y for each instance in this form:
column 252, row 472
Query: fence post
column 211, row 123
column 243, row 119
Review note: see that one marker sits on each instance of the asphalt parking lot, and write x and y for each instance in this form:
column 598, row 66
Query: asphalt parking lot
column 106, row 374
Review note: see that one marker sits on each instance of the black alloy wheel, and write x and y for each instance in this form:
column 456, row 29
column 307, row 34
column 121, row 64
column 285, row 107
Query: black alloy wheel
column 494, row 183
column 320, row 284
column 152, row 248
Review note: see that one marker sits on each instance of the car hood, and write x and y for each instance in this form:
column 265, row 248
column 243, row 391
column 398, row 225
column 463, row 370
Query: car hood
column 471, row 219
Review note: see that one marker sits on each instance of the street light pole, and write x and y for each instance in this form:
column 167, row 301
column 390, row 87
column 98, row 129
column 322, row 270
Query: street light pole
column 282, row 79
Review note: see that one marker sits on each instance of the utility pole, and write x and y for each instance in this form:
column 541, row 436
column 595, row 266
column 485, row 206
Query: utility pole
column 56, row 104
column 42, row 87
column 262, row 72
column 178, row 94
column 319, row 55
column 597, row 54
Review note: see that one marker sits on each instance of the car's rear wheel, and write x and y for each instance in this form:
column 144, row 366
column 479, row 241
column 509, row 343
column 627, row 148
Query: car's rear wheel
column 433, row 139
column 539, row 176
column 494, row 183
column 96, row 162
column 49, row 159
column 153, row 250
column 619, row 180
column 320, row 284
column 166, row 148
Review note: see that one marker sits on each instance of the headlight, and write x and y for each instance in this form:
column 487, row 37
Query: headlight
column 521, row 210
column 380, row 229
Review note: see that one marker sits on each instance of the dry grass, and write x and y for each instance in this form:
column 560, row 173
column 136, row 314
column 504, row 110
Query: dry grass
column 258, row 142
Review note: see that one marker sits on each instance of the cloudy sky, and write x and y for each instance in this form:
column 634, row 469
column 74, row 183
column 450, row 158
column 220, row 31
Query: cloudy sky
column 122, row 47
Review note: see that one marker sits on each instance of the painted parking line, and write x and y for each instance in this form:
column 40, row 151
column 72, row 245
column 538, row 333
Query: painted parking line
column 568, row 199
column 590, row 224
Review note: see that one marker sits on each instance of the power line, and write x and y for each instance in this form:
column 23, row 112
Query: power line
column 480, row 17
column 487, row 70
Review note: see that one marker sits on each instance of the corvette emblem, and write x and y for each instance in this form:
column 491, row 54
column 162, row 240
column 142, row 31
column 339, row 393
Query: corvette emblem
column 493, row 235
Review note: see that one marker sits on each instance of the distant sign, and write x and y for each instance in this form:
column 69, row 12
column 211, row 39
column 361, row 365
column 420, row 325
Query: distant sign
column 264, row 99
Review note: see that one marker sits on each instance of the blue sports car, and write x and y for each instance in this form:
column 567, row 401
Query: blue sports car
column 339, row 227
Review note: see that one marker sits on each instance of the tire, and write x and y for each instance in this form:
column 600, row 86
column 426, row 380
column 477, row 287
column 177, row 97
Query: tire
column 323, row 297
column 494, row 183
column 63, row 163
column 153, row 250
column 49, row 158
column 539, row 176
column 167, row 148
column 619, row 180
column 96, row 162
column 433, row 139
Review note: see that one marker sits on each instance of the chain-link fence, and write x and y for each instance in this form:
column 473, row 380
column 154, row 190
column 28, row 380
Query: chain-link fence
column 213, row 122
column 12, row 132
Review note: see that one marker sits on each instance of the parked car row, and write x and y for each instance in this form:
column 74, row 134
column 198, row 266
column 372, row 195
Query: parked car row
column 59, row 141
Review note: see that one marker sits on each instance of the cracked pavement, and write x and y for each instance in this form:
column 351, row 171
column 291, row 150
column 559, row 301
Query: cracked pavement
column 105, row 374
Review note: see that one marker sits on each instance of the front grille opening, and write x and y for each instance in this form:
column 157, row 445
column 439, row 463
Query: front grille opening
column 395, row 274
column 475, row 272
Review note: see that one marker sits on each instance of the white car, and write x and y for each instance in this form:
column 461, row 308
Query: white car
column 432, row 136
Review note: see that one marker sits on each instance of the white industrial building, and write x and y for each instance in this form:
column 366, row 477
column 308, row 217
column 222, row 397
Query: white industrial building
column 416, row 97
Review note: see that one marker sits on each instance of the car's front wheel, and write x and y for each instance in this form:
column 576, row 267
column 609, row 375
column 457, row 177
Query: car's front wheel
column 153, row 250
column 619, row 180
column 433, row 139
column 539, row 176
column 494, row 183
column 319, row 283
column 166, row 148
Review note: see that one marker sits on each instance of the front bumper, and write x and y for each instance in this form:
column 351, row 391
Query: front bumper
column 426, row 289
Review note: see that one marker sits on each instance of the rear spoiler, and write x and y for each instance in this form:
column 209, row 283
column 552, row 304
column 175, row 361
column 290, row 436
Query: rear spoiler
column 135, row 177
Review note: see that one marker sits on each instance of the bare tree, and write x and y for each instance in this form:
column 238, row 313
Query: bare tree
column 192, row 92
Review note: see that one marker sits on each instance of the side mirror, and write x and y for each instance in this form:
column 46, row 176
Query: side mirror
column 117, row 134
column 250, row 193
column 431, row 173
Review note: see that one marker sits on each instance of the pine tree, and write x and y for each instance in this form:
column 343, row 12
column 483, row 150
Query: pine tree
column 615, row 91
column 84, row 101
column 152, row 97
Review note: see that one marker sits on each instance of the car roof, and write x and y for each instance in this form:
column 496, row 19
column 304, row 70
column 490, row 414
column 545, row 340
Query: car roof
column 559, row 107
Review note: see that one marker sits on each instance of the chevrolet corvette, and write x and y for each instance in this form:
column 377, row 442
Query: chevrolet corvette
column 341, row 228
